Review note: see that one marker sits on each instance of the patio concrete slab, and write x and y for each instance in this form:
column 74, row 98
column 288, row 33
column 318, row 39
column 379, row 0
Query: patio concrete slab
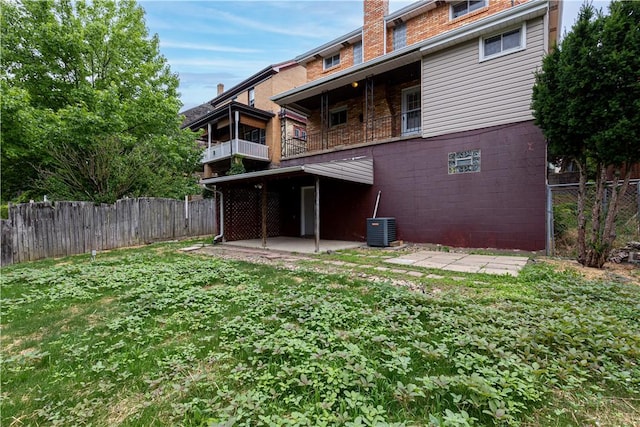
column 489, row 264
column 295, row 244
column 401, row 261
column 417, row 256
column 430, row 264
column 462, row 268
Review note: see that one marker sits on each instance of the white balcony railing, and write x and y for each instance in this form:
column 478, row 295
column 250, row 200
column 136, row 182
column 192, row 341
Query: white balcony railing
column 224, row 150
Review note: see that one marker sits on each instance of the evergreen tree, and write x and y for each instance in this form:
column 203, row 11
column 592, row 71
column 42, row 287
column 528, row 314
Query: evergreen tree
column 586, row 100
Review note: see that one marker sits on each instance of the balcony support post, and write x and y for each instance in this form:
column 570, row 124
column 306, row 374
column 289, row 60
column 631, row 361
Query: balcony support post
column 324, row 118
column 316, row 231
column 264, row 213
column 369, row 109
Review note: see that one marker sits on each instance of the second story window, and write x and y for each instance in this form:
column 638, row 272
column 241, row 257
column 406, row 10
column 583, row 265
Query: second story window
column 399, row 36
column 357, row 53
column 332, row 61
column 252, row 97
column 502, row 44
column 337, row 117
column 256, row 135
column 465, row 7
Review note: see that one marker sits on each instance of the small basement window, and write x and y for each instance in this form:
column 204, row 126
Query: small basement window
column 464, row 161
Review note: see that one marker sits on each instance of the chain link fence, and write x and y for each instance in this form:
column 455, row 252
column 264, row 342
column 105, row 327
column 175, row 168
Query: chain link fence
column 562, row 211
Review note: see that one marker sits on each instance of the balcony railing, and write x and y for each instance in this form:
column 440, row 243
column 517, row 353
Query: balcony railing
column 380, row 128
column 242, row 147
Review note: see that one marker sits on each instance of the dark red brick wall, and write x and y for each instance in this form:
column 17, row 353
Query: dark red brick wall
column 503, row 206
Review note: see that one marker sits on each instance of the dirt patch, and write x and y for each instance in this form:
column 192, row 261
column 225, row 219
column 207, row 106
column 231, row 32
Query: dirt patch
column 588, row 411
column 28, row 351
column 122, row 408
column 9, row 347
column 611, row 271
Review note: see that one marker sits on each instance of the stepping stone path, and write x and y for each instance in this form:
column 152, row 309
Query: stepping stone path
column 464, row 263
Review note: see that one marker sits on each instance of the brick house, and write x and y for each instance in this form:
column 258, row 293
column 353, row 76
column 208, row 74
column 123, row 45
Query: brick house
column 244, row 124
column 429, row 107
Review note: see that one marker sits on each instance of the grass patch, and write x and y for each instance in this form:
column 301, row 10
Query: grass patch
column 150, row 336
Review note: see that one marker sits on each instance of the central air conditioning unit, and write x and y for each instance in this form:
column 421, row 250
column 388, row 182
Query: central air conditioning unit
column 381, row 231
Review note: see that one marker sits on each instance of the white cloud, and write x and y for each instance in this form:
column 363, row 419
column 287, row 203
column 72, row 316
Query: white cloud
column 205, row 47
column 238, row 66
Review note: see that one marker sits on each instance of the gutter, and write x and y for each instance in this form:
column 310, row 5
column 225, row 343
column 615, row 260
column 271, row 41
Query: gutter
column 327, row 47
column 251, row 175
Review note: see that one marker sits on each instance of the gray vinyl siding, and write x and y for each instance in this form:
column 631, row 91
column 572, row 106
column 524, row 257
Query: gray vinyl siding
column 460, row 93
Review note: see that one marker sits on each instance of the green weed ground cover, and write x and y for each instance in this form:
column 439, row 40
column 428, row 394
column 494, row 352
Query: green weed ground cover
column 155, row 337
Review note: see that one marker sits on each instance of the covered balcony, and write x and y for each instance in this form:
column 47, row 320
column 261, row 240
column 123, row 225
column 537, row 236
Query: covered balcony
column 233, row 130
column 241, row 147
column 377, row 108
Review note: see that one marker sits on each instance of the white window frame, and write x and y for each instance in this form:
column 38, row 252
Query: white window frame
column 523, row 43
column 396, row 30
column 338, row 110
column 251, row 97
column 358, row 59
column 333, row 63
column 405, row 111
column 451, row 17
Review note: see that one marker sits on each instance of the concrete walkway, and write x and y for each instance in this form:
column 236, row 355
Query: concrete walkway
column 464, row 263
column 295, row 244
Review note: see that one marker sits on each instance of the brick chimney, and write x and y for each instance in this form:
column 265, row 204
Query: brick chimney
column 220, row 88
column 374, row 28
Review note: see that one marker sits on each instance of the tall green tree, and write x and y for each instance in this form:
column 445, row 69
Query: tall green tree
column 586, row 100
column 89, row 105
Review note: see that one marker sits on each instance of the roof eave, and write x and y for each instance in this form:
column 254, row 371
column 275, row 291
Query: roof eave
column 414, row 52
column 235, row 106
column 410, row 11
column 331, row 46
column 245, row 84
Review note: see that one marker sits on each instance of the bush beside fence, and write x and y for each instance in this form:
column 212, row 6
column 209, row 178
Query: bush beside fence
column 564, row 205
column 44, row 230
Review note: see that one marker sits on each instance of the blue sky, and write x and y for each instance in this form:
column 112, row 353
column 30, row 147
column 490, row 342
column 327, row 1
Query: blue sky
column 211, row 42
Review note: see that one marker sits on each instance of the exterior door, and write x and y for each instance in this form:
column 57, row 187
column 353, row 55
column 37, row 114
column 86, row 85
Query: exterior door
column 307, row 211
column 411, row 110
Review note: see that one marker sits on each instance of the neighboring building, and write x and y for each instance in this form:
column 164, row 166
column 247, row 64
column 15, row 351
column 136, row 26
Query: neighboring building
column 430, row 106
column 244, row 123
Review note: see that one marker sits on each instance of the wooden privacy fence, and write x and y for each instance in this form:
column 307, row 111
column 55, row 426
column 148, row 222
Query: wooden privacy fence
column 42, row 230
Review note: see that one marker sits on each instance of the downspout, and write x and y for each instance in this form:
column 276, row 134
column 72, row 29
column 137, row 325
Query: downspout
column 221, row 214
column 236, row 123
column 230, row 138
column 384, row 36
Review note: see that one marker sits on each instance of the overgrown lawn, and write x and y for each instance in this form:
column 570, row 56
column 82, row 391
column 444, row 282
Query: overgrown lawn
column 155, row 337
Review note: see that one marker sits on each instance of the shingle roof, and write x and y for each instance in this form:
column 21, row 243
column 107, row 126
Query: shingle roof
column 193, row 114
